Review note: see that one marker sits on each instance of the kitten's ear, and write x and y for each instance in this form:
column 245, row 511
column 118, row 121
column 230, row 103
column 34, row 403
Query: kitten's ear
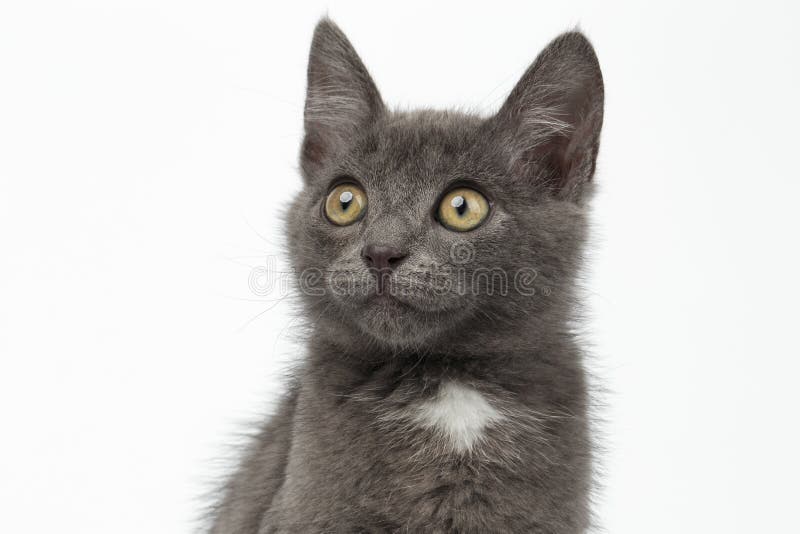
column 341, row 97
column 550, row 124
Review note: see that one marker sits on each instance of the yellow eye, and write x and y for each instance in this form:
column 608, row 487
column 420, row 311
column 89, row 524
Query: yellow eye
column 463, row 209
column 345, row 204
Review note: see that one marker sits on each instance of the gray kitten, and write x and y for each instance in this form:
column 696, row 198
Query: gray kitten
column 437, row 254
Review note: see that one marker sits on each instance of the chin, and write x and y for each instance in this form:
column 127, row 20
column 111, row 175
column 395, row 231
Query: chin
column 400, row 325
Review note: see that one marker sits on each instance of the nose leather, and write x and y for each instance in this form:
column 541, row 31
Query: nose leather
column 382, row 257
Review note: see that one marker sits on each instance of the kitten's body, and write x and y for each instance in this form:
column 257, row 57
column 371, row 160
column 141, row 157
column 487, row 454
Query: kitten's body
column 453, row 411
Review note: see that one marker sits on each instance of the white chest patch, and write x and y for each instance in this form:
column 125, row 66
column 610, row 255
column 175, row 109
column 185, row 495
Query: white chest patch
column 460, row 413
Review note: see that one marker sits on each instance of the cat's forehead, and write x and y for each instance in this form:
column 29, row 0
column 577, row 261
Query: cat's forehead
column 428, row 131
column 419, row 149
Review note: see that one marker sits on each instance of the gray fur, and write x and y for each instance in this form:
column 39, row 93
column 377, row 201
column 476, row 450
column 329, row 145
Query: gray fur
column 337, row 456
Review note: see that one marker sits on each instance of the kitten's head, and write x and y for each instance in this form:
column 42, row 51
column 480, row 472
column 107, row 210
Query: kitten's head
column 418, row 226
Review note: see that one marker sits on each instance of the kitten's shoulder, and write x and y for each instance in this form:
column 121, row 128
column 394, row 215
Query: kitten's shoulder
column 260, row 474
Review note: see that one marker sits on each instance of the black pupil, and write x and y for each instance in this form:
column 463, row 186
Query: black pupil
column 345, row 199
column 460, row 204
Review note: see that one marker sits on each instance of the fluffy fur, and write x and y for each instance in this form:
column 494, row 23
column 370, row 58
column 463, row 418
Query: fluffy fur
column 459, row 404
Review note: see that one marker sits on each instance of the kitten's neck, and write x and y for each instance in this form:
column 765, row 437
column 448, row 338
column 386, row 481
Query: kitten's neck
column 511, row 354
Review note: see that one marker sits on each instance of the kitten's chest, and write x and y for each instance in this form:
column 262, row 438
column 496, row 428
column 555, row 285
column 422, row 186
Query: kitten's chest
column 456, row 457
column 456, row 419
column 417, row 428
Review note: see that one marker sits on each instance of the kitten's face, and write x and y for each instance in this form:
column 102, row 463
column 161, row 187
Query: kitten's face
column 450, row 226
column 405, row 165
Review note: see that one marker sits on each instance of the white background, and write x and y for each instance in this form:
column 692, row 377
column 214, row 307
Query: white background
column 147, row 150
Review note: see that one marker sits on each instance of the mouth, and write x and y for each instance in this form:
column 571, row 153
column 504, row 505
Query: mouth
column 399, row 301
column 397, row 309
column 401, row 295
